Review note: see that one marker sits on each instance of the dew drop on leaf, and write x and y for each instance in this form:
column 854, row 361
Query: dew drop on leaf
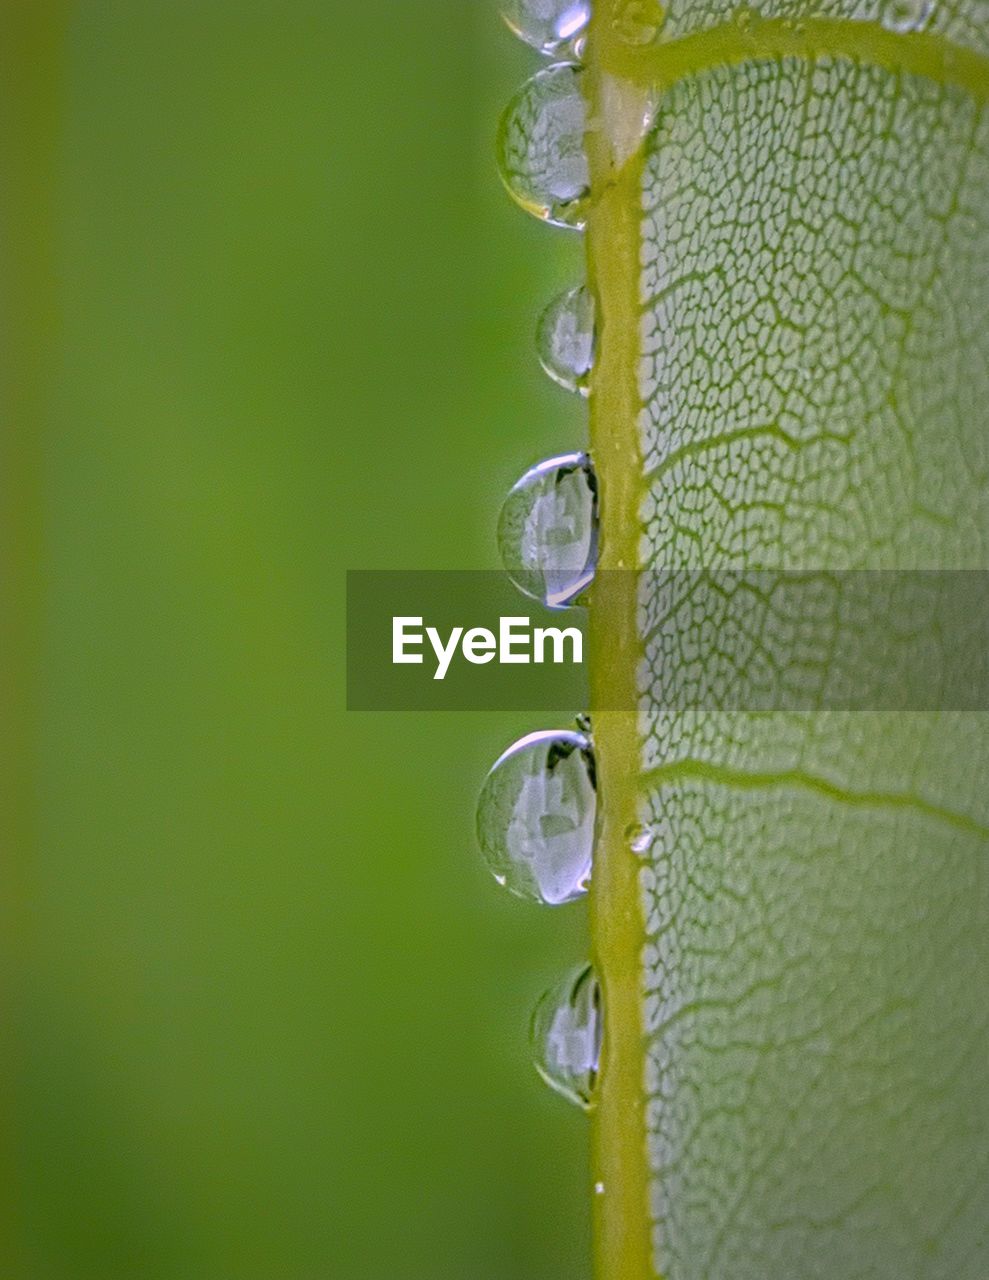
column 565, row 1035
column 540, row 146
column 565, row 339
column 548, row 530
column 640, row 839
column 548, row 25
column 535, row 817
column 907, row 15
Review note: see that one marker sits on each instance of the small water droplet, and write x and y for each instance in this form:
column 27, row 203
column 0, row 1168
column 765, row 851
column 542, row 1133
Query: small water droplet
column 640, row 839
column 565, row 1034
column 907, row 15
column 599, row 1188
column 745, row 17
column 548, row 25
column 535, row 816
column 548, row 530
column 637, row 22
column 565, row 339
column 540, row 146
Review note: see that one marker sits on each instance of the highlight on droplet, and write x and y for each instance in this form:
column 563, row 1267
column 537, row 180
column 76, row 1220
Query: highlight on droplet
column 551, row 26
column 640, row 839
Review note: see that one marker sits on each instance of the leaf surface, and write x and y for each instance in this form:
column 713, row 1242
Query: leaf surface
column 792, row 271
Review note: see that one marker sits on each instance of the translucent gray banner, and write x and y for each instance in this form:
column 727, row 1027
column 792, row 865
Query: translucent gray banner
column 764, row 640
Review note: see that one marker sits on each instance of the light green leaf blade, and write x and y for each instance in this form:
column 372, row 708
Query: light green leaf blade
column 792, row 272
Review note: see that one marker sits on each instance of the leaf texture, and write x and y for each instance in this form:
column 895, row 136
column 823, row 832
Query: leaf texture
column 792, row 271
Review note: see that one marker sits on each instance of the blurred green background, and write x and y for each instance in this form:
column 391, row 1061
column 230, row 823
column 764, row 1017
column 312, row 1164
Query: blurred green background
column 266, row 316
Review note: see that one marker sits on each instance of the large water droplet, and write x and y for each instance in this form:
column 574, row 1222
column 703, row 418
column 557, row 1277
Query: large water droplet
column 565, row 1034
column 541, row 146
column 548, row 25
column 535, row 816
column 565, row 339
column 548, row 530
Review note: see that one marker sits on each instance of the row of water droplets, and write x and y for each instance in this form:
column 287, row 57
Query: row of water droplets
column 537, row 809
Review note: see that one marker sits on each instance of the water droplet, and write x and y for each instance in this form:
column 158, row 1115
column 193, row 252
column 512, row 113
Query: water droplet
column 907, row 15
column 637, row 22
column 599, row 1188
column 565, row 339
column 548, row 25
column 640, row 839
column 565, row 1034
column 548, row 530
column 746, row 17
column 535, row 816
column 541, row 146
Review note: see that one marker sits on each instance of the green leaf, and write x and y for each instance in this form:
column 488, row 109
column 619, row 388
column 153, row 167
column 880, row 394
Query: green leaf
column 791, row 264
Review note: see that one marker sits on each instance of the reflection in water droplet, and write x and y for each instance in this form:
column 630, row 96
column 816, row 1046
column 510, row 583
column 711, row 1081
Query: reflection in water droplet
column 565, row 339
column 565, row 1034
column 548, row 25
column 548, row 530
column 535, row 816
column 907, row 15
column 640, row 839
column 599, row 1188
column 540, row 146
